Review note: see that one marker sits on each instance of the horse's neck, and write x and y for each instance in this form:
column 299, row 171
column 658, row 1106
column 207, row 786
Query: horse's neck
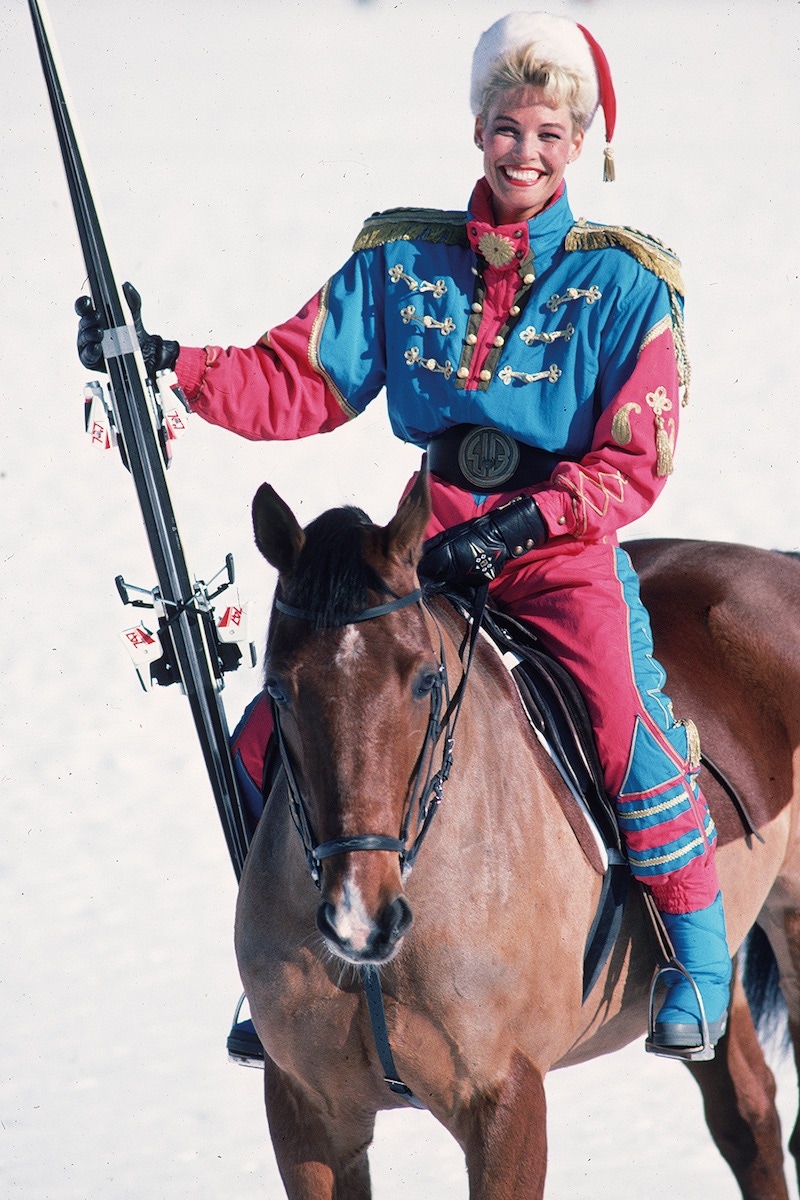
column 497, row 756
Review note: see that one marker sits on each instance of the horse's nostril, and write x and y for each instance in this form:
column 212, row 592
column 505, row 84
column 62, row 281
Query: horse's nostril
column 398, row 919
column 325, row 915
column 375, row 940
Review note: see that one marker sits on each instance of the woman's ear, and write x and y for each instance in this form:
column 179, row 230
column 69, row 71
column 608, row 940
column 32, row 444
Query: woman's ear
column 577, row 146
column 479, row 132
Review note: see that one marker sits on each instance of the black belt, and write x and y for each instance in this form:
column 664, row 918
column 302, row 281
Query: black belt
column 484, row 459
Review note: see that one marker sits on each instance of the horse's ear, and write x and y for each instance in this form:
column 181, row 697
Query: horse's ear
column 404, row 534
column 278, row 535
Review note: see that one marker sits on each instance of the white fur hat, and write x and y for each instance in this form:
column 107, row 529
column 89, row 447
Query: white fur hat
column 558, row 40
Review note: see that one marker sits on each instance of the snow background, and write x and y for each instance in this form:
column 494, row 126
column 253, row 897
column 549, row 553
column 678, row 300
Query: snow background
column 236, row 148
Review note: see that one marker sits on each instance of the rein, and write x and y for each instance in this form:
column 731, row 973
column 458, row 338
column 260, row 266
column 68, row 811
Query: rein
column 426, row 795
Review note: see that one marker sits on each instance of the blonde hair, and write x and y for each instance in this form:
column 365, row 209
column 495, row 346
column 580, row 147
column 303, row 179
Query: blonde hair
column 560, row 86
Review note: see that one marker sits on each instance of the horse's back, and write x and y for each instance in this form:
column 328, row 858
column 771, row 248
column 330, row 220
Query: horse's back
column 716, row 573
column 727, row 608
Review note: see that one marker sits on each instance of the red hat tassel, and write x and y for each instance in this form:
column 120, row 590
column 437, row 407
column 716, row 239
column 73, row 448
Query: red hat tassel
column 608, row 100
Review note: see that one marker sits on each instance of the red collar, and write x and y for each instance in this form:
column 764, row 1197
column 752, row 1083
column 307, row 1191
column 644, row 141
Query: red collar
column 501, row 245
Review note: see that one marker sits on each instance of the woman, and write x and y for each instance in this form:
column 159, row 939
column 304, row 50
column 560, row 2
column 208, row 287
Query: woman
column 540, row 364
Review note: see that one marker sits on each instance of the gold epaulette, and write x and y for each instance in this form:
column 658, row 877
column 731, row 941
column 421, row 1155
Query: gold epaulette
column 413, row 224
column 647, row 250
column 653, row 255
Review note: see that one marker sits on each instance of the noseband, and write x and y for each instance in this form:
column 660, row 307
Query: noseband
column 427, row 785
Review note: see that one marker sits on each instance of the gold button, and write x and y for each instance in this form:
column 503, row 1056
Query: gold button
column 517, row 551
column 562, row 520
column 499, row 341
column 462, row 372
column 478, row 307
column 486, row 376
column 514, row 310
column 471, row 339
column 528, row 279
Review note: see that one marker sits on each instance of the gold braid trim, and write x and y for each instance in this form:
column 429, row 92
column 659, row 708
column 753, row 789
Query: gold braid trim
column 657, row 258
column 649, row 251
column 694, row 753
column 313, row 353
column 411, row 225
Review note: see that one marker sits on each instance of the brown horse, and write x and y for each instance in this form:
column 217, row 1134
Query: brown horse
column 483, row 990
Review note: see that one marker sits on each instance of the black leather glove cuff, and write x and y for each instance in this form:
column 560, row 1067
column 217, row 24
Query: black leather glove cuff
column 477, row 550
column 519, row 525
column 159, row 354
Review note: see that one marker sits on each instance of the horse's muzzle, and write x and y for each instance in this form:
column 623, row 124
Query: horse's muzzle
column 359, row 938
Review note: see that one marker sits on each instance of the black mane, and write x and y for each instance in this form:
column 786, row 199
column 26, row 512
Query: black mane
column 331, row 581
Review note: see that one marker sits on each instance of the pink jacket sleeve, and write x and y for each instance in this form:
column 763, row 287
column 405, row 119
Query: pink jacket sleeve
column 274, row 391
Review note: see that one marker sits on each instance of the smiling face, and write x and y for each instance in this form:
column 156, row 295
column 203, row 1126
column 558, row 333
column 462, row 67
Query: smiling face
column 527, row 143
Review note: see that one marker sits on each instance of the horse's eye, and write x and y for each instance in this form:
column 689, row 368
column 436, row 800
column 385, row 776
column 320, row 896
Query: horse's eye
column 425, row 682
column 276, row 690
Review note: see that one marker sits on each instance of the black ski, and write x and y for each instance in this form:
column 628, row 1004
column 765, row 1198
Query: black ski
column 192, row 653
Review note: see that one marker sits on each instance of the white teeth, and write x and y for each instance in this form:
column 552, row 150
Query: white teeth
column 524, row 176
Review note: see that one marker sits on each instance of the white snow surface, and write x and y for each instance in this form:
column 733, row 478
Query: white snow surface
column 235, row 148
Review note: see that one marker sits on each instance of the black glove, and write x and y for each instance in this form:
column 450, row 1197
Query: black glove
column 158, row 354
column 477, row 550
column 90, row 335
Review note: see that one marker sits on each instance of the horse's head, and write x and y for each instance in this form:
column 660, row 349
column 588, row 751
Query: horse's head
column 354, row 676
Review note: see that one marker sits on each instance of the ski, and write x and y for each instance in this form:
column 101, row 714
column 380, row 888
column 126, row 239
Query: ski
column 191, row 649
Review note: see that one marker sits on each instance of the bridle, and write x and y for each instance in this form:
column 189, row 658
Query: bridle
column 426, row 785
column 426, row 790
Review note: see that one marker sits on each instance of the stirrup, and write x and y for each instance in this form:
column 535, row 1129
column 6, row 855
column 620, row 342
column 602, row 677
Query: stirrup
column 704, row 1052
column 244, row 1046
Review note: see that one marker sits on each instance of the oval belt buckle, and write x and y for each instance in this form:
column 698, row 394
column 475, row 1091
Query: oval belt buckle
column 487, row 457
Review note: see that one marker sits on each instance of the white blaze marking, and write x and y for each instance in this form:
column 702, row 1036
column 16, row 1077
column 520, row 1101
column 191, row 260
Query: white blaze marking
column 351, row 647
column 352, row 922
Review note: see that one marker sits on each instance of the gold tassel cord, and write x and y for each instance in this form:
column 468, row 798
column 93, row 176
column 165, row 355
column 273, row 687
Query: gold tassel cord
column 609, row 169
column 660, row 403
column 665, row 464
column 693, row 751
